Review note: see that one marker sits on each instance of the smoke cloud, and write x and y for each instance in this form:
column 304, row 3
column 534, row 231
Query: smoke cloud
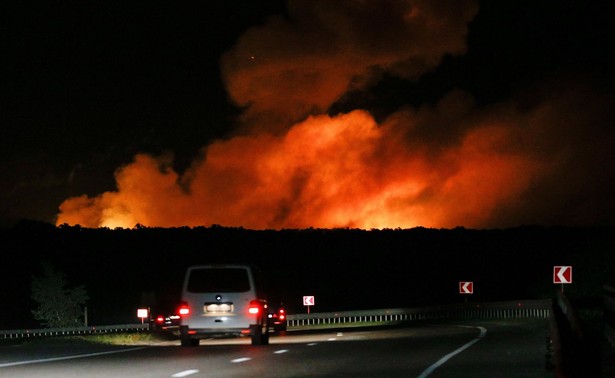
column 294, row 67
column 295, row 166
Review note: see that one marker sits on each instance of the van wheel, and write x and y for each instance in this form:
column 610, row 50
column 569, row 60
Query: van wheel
column 186, row 340
column 190, row 342
column 259, row 334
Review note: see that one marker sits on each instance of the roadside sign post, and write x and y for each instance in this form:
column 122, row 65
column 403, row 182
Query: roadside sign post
column 466, row 287
column 562, row 274
column 142, row 313
column 308, row 301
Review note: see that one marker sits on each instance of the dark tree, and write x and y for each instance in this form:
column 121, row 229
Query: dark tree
column 58, row 306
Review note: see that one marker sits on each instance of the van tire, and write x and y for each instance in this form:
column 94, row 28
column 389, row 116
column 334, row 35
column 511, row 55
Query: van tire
column 189, row 342
column 259, row 335
column 186, row 340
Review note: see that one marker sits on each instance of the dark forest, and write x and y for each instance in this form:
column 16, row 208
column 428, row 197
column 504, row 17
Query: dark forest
column 345, row 269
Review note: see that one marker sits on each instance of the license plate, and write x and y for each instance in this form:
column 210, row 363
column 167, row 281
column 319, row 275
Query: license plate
column 218, row 308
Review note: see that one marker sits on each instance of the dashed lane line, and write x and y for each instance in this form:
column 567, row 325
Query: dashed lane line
column 185, row 373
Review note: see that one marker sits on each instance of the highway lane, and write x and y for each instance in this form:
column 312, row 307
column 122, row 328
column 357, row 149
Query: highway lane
column 477, row 349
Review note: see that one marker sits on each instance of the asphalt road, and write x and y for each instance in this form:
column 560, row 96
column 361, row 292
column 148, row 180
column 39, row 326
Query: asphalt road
column 476, row 349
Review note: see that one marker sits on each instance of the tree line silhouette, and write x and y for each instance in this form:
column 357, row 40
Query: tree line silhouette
column 345, row 269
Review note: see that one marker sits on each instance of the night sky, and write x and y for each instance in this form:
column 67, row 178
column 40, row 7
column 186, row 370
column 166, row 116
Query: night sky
column 314, row 113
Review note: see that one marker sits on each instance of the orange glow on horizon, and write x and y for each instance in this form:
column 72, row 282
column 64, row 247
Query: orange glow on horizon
column 443, row 165
column 326, row 172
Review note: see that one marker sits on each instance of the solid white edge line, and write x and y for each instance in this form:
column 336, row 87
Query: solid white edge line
column 442, row 361
column 67, row 357
column 185, row 373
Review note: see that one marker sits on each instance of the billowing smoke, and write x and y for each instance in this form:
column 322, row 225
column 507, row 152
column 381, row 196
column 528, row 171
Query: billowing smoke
column 294, row 166
column 292, row 68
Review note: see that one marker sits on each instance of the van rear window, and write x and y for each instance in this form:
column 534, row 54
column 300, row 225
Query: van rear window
column 225, row 280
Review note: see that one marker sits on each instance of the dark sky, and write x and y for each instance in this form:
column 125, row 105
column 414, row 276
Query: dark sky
column 512, row 102
column 86, row 87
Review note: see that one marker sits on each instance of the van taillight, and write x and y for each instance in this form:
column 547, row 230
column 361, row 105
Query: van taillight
column 254, row 308
column 160, row 319
column 184, row 309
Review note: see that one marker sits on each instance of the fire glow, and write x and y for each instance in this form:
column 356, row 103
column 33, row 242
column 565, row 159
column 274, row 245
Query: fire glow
column 344, row 171
column 295, row 166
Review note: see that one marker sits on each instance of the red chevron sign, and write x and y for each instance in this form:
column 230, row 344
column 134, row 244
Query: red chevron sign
column 466, row 287
column 308, row 300
column 562, row 274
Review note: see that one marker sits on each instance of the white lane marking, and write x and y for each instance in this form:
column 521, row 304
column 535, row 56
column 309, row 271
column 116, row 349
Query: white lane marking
column 67, row 357
column 340, row 334
column 442, row 361
column 239, row 360
column 332, row 339
column 185, row 373
column 281, row 351
column 312, row 344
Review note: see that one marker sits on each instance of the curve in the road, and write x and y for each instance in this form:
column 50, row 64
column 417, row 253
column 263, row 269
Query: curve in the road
column 442, row 361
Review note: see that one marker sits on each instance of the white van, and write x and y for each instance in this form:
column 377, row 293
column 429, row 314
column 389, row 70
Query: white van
column 222, row 300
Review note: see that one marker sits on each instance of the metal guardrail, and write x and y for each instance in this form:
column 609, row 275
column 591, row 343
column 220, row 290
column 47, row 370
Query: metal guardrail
column 491, row 310
column 72, row 331
column 567, row 341
column 609, row 314
column 575, row 343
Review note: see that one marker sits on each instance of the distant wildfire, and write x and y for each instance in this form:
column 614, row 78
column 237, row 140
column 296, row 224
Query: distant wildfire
column 291, row 165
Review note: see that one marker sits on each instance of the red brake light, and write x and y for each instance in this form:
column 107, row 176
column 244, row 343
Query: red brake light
column 255, row 307
column 184, row 309
column 160, row 319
